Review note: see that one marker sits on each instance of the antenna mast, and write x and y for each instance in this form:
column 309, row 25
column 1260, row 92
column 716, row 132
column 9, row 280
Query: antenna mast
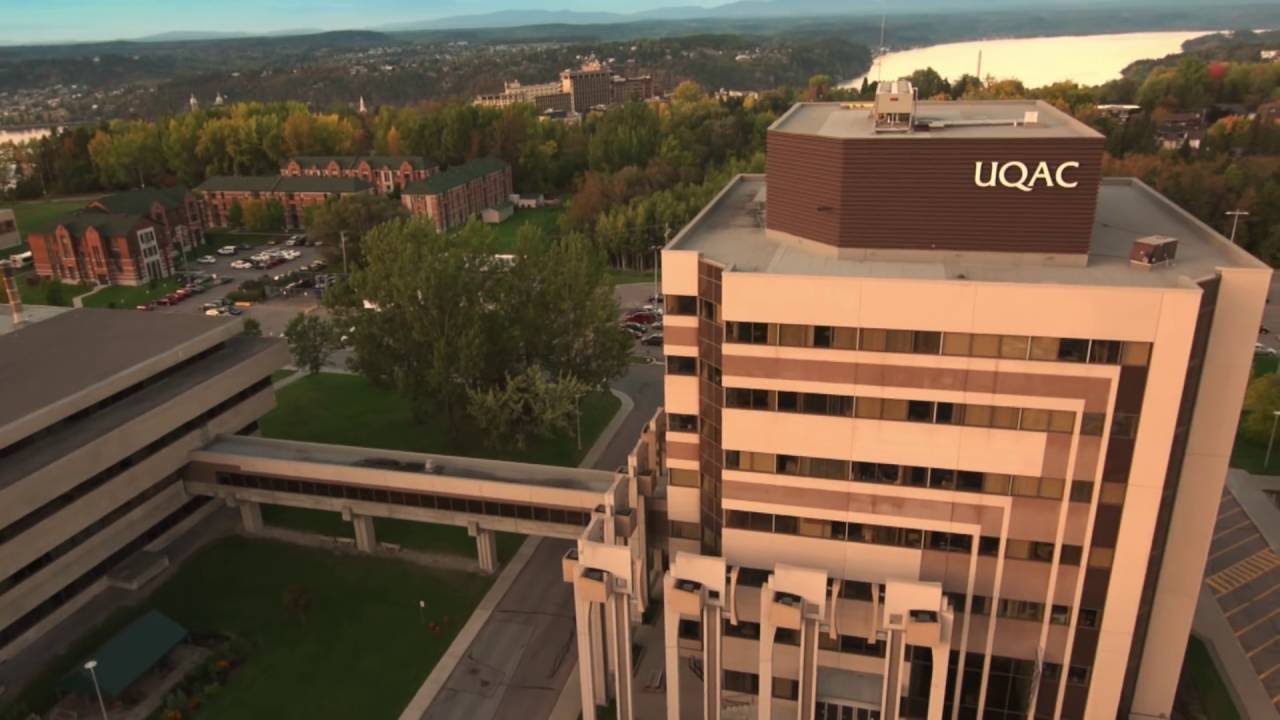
column 880, row 52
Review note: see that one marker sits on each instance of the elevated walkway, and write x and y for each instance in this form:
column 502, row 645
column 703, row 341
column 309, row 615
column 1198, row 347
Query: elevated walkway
column 362, row 483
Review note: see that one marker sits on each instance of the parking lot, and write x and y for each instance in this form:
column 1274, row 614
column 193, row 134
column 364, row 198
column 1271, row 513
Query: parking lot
column 632, row 298
column 273, row 314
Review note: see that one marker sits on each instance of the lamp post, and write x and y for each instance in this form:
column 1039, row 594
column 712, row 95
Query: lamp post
column 1275, row 418
column 97, row 690
column 1235, row 221
column 342, row 238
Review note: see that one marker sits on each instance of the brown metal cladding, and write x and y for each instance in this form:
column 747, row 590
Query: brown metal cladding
column 920, row 193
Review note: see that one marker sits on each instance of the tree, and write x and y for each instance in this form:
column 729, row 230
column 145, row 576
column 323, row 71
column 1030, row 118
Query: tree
column 311, row 339
column 819, row 85
column 252, row 328
column 929, row 84
column 527, row 405
column 235, row 216
column 355, row 215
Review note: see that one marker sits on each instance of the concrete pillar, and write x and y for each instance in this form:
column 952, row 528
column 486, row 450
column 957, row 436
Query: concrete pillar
column 712, row 675
column 250, row 516
column 808, row 668
column 764, row 710
column 591, row 673
column 366, row 539
column 618, row 619
column 486, row 547
column 938, row 680
column 671, row 639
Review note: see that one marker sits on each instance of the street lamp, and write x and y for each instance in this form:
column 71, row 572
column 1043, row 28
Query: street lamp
column 1235, row 220
column 1275, row 417
column 102, row 705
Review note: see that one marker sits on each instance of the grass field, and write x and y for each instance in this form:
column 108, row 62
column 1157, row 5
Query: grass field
column 123, row 296
column 348, row 410
column 360, row 651
column 39, row 294
column 449, row 539
column 1214, row 696
column 279, row 375
column 546, row 218
column 1247, row 454
column 34, row 214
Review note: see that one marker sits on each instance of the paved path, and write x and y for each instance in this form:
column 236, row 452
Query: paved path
column 523, row 656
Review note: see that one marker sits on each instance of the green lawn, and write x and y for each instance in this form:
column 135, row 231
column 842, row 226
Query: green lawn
column 124, row 296
column 360, row 651
column 1214, row 695
column 348, row 410
column 279, row 375
column 626, row 277
column 39, row 294
column 33, row 214
column 450, row 539
column 546, row 218
column 1250, row 455
column 1265, row 364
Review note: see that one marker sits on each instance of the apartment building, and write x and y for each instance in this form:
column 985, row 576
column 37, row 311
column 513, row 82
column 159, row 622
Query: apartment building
column 174, row 210
column 589, row 86
column 577, row 92
column 106, row 248
column 948, row 416
column 91, row 452
column 295, row 193
column 386, row 173
column 453, row 197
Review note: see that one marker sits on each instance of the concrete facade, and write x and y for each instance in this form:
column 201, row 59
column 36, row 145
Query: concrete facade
column 92, row 472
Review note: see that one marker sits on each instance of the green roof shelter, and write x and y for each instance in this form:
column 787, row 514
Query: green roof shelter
column 127, row 656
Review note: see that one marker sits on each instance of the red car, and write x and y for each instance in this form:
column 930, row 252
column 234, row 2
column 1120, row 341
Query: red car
column 643, row 317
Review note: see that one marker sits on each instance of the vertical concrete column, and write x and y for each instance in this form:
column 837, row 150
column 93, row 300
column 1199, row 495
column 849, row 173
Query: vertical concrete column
column 582, row 612
column 889, row 696
column 366, row 539
column 250, row 516
column 765, row 692
column 486, row 547
column 618, row 616
column 671, row 640
column 808, row 681
column 938, row 679
column 712, row 676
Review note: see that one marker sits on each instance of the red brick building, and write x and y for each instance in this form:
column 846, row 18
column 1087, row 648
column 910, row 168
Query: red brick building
column 296, row 193
column 175, row 211
column 386, row 173
column 452, row 197
column 92, row 246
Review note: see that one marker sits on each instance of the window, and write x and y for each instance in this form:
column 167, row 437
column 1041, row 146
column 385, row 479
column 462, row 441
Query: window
column 1136, row 354
column 872, row 339
column 709, row 311
column 920, row 411
column 1014, row 347
column 1124, row 425
column 985, row 346
column 891, row 409
column 1021, row 610
column 1005, row 417
column 681, row 365
column 956, row 343
column 793, row 335
column 845, row 338
column 742, row 682
column 823, row 336
column 677, row 422
column 1081, row 491
column 1112, row 493
column 785, row 689
column 867, row 407
column 949, row 414
column 1035, row 419
column 682, row 305
column 1077, row 675
column 683, row 477
column 1092, row 423
column 745, row 332
column 1088, row 618
column 689, row 630
column 753, row 461
column 927, row 343
column 711, row 373
column 855, row 590
column 1106, row 352
column 1100, row 557
column 747, row 399
column 684, row 530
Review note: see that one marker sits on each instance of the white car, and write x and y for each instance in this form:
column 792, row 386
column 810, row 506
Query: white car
column 242, row 265
column 207, row 259
column 1260, row 349
column 227, row 250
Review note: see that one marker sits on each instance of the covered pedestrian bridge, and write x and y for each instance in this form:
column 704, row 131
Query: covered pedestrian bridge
column 485, row 496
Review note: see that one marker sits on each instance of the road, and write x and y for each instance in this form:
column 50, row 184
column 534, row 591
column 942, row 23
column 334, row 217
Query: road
column 519, row 662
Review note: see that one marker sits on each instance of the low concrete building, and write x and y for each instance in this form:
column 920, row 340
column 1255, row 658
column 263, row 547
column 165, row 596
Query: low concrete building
column 91, row 452
column 295, row 192
column 462, row 192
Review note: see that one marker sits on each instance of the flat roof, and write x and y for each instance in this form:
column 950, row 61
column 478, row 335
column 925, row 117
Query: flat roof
column 69, row 354
column 994, row 119
column 730, row 231
column 554, row 476
column 66, row 437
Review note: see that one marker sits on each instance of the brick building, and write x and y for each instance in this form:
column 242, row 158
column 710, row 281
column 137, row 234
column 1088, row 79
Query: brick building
column 452, row 197
column 175, row 211
column 92, row 246
column 386, row 173
column 295, row 192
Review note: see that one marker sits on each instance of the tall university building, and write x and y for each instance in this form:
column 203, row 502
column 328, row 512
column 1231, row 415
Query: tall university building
column 946, row 426
column 952, row 412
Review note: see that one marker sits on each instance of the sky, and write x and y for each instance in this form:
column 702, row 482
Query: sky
column 37, row 21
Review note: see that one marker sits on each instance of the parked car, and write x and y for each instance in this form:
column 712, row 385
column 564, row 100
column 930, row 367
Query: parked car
column 227, row 250
column 241, row 265
column 244, row 246
column 636, row 329
column 164, row 301
column 213, row 312
column 652, row 339
column 1260, row 349
column 207, row 259
column 147, row 306
column 640, row 316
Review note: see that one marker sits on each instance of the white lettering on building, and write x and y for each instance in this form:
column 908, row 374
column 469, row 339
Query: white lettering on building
column 1019, row 176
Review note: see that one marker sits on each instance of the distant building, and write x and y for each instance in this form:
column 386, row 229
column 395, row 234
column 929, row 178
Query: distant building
column 175, row 211
column 463, row 191
column 8, row 229
column 578, row 91
column 106, row 248
column 1271, row 55
column 296, row 193
column 387, row 173
column 1178, row 129
column 1270, row 112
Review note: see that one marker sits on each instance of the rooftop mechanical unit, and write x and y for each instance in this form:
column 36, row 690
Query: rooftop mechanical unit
column 1153, row 251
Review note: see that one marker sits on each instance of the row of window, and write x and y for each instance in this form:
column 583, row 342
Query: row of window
column 80, row 584
column 889, row 474
column 473, row 506
column 823, row 710
column 923, row 411
column 928, row 342
column 908, row 537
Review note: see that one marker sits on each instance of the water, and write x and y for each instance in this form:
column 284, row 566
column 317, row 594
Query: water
column 1086, row 59
column 24, row 134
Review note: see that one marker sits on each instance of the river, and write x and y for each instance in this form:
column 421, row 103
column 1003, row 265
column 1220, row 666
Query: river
column 21, row 135
column 1086, row 59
